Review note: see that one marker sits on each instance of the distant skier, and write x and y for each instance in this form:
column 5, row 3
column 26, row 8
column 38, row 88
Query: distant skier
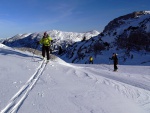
column 46, row 41
column 115, row 59
column 91, row 60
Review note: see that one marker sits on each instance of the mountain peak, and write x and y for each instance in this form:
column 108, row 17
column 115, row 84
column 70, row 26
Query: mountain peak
column 115, row 23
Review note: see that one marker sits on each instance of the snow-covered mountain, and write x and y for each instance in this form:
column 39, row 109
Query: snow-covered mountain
column 60, row 38
column 128, row 35
column 29, row 85
column 2, row 40
column 127, row 25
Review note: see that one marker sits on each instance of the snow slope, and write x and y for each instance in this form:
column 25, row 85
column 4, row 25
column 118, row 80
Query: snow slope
column 29, row 85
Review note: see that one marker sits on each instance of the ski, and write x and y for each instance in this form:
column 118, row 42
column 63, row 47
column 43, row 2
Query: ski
column 47, row 61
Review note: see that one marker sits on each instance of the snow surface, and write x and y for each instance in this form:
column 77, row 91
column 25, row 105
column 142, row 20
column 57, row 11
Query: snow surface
column 29, row 85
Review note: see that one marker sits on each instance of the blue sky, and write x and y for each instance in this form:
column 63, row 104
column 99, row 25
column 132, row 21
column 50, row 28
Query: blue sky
column 29, row 16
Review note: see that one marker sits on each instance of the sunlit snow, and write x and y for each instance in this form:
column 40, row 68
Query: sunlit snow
column 29, row 85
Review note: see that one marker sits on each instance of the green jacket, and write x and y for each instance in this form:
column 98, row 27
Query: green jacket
column 91, row 59
column 46, row 41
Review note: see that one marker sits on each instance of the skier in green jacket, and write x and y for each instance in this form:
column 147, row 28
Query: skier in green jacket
column 46, row 42
column 91, row 60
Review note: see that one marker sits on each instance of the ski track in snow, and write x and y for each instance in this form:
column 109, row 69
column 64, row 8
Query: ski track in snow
column 17, row 100
column 135, row 90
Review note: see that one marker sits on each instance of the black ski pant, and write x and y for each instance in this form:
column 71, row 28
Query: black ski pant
column 115, row 66
column 91, row 62
column 46, row 49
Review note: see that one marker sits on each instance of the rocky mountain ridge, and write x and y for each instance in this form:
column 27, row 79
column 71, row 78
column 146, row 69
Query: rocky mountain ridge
column 127, row 35
column 60, row 39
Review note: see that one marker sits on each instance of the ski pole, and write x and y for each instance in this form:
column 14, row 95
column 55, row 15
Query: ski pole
column 109, row 64
column 35, row 50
